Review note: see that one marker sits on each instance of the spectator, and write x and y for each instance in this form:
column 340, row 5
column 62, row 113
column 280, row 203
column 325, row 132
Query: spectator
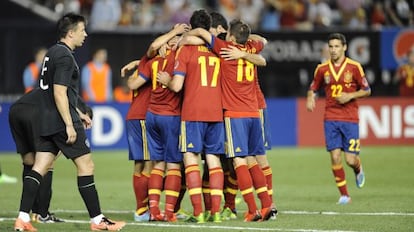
column 97, row 78
column 105, row 14
column 319, row 14
column 31, row 72
column 122, row 93
column 359, row 21
column 378, row 16
column 249, row 11
column 270, row 18
column 405, row 76
column 348, row 10
column 400, row 12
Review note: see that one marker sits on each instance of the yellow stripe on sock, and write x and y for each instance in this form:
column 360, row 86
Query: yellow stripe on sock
column 216, row 192
column 231, row 190
column 261, row 190
column 194, row 191
column 246, row 191
column 342, row 183
column 154, row 191
column 171, row 193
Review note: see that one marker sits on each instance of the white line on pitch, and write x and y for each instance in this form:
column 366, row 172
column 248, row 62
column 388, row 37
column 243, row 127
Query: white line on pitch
column 240, row 228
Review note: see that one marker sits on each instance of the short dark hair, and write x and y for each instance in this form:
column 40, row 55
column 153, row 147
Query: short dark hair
column 200, row 19
column 68, row 22
column 240, row 30
column 218, row 19
column 338, row 36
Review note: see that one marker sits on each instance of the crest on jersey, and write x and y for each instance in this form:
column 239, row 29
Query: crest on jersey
column 348, row 78
column 327, row 77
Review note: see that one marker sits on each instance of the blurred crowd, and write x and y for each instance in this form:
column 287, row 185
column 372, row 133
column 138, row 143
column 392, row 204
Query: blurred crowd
column 266, row 15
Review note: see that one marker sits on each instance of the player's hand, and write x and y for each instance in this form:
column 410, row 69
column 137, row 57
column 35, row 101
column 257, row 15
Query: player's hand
column 86, row 120
column 71, row 133
column 181, row 28
column 162, row 51
column 231, row 53
column 310, row 104
column 344, row 98
column 163, row 78
column 131, row 65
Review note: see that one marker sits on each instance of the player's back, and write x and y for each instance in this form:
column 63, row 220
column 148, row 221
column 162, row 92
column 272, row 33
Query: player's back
column 202, row 86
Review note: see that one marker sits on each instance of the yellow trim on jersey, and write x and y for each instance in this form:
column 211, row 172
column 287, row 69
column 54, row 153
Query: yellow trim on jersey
column 230, row 148
column 216, row 192
column 144, row 140
column 360, row 69
column 341, row 70
column 171, row 193
column 270, row 191
column 194, row 191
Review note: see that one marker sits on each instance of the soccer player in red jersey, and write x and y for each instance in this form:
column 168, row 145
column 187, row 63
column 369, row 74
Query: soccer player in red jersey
column 405, row 76
column 148, row 181
column 243, row 131
column 202, row 128
column 343, row 80
column 163, row 125
column 137, row 139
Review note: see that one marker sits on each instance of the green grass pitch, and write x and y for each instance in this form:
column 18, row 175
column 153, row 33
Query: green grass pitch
column 304, row 191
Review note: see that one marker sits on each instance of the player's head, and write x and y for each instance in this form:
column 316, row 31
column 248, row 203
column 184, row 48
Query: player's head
column 72, row 26
column 337, row 46
column 239, row 32
column 219, row 25
column 200, row 19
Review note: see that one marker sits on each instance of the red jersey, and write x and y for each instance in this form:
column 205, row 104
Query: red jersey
column 140, row 96
column 163, row 101
column 238, row 80
column 260, row 97
column 348, row 77
column 202, row 85
column 406, row 72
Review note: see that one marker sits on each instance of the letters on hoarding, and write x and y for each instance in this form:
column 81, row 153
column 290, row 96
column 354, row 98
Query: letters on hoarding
column 382, row 121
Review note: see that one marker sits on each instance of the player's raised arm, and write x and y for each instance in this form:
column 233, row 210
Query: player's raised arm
column 233, row 53
column 163, row 39
column 202, row 33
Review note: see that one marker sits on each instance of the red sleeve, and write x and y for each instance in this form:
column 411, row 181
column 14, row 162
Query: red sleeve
column 217, row 44
column 360, row 77
column 317, row 79
column 257, row 46
column 181, row 60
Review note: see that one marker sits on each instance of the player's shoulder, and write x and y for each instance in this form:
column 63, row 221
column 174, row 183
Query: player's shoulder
column 322, row 66
column 353, row 62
